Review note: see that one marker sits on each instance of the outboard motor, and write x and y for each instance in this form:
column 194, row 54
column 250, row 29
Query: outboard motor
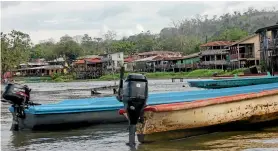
column 19, row 96
column 134, row 94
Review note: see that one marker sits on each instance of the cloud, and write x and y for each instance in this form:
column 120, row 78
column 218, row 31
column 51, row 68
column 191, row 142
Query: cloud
column 44, row 20
column 8, row 4
column 181, row 10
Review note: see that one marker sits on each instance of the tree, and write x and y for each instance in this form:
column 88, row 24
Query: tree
column 109, row 37
column 185, row 36
column 88, row 45
column 15, row 49
column 123, row 46
column 68, row 49
column 98, row 40
column 232, row 34
column 45, row 50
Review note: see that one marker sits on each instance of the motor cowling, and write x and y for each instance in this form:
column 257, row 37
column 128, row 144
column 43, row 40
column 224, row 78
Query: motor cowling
column 16, row 94
column 135, row 95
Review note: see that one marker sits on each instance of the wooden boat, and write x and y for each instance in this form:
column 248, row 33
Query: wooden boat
column 105, row 109
column 233, row 82
column 201, row 116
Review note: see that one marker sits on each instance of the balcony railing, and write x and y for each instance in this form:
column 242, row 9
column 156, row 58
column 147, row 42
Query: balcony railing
column 242, row 56
column 216, row 62
column 194, row 65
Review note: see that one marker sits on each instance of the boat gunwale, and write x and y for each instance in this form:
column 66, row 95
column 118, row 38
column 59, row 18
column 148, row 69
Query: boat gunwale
column 231, row 79
column 206, row 102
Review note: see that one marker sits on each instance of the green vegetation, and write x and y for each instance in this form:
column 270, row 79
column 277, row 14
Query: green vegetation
column 32, row 79
column 200, row 73
column 57, row 77
column 15, row 49
column 184, row 36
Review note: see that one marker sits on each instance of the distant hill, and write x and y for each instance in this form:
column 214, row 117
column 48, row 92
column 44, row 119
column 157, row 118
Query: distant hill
column 201, row 26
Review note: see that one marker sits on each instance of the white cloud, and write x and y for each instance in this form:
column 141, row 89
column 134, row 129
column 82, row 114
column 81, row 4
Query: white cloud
column 44, row 20
column 139, row 28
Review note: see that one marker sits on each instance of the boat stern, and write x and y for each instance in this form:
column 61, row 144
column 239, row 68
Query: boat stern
column 180, row 120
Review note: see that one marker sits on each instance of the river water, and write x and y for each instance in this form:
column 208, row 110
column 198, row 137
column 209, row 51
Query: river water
column 114, row 136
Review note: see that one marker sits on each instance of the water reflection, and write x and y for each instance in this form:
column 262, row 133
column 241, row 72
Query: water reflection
column 218, row 141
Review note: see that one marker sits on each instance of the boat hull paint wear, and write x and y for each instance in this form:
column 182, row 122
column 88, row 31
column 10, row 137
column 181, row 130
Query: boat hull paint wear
column 42, row 121
column 187, row 119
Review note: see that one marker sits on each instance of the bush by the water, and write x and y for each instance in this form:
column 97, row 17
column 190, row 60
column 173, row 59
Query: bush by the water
column 58, row 77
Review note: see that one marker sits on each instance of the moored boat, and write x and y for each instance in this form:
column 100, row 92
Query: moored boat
column 105, row 109
column 232, row 82
column 243, row 75
column 201, row 116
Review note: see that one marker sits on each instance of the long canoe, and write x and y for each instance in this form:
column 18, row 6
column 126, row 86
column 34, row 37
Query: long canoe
column 233, row 82
column 201, row 116
column 105, row 110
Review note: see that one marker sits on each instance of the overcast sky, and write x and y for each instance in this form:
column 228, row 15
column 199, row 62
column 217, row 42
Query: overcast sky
column 44, row 20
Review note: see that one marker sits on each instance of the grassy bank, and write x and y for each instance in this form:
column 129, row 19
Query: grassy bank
column 200, row 73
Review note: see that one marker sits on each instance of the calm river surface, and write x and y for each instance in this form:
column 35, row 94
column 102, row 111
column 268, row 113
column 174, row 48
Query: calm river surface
column 114, row 136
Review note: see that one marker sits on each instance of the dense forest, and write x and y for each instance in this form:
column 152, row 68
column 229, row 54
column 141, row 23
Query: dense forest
column 185, row 36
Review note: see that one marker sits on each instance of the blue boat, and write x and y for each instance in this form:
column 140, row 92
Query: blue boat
column 105, row 110
column 233, row 82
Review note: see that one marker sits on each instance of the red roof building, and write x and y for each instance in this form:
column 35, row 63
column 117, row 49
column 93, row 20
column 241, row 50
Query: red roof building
column 88, row 60
column 129, row 59
column 217, row 43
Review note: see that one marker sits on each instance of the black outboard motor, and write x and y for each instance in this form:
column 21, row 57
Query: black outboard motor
column 19, row 96
column 134, row 95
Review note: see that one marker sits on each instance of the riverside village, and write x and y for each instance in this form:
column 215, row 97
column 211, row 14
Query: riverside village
column 203, row 84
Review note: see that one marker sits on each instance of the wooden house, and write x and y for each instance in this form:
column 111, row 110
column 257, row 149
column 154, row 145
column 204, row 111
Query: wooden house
column 215, row 55
column 112, row 62
column 245, row 52
column 188, row 63
column 268, row 37
column 89, row 68
column 39, row 67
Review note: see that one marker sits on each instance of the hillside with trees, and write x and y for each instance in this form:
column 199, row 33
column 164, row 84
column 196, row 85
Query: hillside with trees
column 185, row 36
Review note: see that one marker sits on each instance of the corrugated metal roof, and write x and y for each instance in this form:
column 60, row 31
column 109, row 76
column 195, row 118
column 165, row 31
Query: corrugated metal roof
column 243, row 39
column 217, row 43
column 44, row 67
column 267, row 28
column 158, row 53
column 146, row 59
column 158, row 58
column 89, row 60
column 34, row 64
column 57, row 60
column 89, row 56
column 129, row 59
column 192, row 55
